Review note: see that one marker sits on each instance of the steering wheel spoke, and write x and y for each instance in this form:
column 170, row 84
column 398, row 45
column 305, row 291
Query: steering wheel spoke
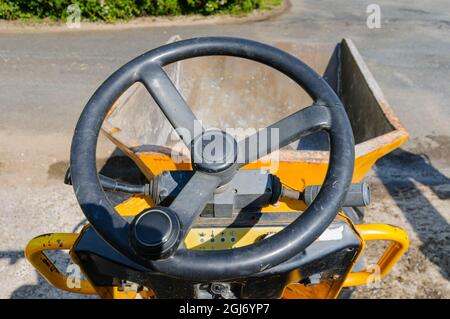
column 313, row 118
column 190, row 202
column 171, row 102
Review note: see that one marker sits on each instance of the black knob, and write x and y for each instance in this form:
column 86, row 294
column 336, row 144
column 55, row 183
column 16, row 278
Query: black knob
column 155, row 233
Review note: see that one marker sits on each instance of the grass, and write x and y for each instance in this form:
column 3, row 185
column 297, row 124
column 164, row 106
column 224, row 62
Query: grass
column 265, row 5
column 270, row 4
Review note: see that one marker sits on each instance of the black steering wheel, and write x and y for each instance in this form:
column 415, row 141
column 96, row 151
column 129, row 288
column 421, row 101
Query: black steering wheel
column 161, row 250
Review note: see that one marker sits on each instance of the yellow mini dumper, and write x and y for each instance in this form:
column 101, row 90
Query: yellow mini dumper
column 222, row 210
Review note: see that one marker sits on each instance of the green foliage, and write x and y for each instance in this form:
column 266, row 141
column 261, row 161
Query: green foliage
column 8, row 10
column 112, row 10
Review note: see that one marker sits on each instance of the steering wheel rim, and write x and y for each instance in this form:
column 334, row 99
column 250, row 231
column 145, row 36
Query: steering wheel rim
column 224, row 264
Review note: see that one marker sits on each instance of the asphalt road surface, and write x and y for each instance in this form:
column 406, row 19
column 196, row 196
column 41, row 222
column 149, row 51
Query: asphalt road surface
column 47, row 77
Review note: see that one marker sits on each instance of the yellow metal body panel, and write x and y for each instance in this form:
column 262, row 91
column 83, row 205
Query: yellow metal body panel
column 323, row 290
column 121, row 293
column 219, row 238
column 292, row 172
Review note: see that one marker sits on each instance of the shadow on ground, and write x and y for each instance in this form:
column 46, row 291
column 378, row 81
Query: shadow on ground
column 118, row 167
column 401, row 172
column 42, row 289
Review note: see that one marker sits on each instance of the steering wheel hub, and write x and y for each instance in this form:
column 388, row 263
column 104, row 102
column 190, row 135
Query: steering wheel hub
column 213, row 151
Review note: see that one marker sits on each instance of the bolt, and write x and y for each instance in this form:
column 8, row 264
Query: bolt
column 218, row 288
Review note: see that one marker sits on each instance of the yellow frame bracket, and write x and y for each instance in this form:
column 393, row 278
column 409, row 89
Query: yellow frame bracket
column 399, row 244
column 34, row 252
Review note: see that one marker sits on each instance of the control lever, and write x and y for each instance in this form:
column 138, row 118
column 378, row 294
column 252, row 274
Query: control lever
column 358, row 194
